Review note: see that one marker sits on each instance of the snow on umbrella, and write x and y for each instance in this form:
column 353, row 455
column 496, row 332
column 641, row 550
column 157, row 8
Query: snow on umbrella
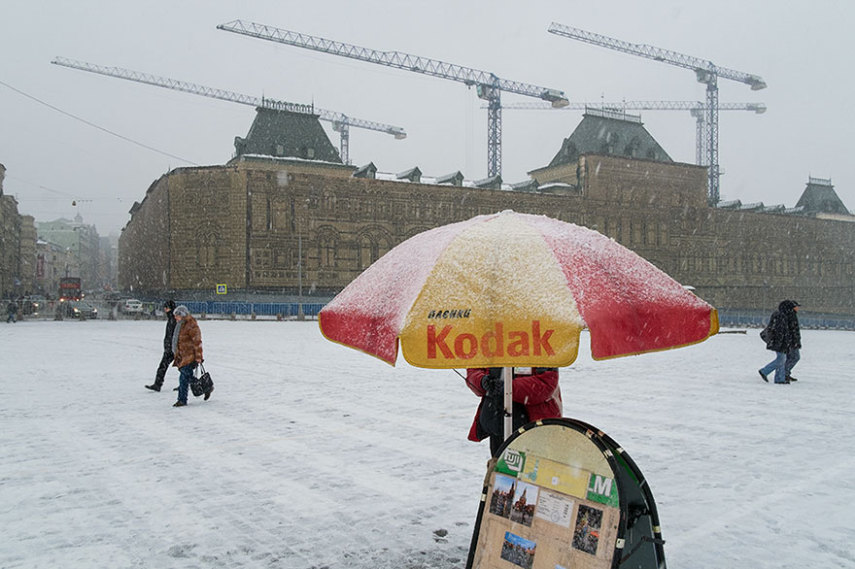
column 512, row 289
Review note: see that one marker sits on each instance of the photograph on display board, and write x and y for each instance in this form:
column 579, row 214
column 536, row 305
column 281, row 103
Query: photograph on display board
column 518, row 550
column 503, row 494
column 586, row 536
column 525, row 499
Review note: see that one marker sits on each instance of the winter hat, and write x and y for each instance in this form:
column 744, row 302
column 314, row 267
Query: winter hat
column 170, row 304
column 181, row 311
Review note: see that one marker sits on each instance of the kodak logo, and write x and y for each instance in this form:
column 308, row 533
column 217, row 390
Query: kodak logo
column 495, row 343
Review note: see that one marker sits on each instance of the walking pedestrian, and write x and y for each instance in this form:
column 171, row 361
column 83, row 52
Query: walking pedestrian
column 783, row 336
column 12, row 309
column 536, row 396
column 168, row 356
column 187, row 347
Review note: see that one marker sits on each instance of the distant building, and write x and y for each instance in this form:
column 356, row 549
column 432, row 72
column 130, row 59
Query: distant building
column 287, row 224
column 82, row 245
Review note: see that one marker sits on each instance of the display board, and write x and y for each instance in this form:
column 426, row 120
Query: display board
column 561, row 494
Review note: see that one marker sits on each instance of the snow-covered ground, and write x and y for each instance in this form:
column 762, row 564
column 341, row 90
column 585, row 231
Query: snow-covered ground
column 312, row 455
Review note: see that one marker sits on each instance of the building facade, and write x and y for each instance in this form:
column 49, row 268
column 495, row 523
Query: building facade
column 288, row 227
column 10, row 244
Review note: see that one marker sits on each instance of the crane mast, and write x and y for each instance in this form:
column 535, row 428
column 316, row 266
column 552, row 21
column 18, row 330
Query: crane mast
column 705, row 71
column 488, row 85
column 341, row 123
column 695, row 108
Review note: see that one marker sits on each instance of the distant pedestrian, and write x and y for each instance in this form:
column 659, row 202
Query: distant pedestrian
column 168, row 356
column 12, row 309
column 536, row 396
column 187, row 347
column 783, row 336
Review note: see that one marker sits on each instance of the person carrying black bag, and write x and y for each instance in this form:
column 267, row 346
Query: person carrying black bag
column 168, row 356
column 536, row 396
column 782, row 336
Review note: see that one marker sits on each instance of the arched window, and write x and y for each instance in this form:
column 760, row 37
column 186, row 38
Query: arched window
column 327, row 248
column 367, row 251
column 207, row 249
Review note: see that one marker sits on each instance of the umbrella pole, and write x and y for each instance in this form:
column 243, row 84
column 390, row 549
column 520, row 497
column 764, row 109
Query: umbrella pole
column 508, row 380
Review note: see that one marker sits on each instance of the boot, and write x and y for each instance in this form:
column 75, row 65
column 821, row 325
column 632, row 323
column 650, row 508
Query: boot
column 153, row 387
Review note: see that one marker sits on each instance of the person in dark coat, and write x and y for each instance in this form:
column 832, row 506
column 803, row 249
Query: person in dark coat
column 535, row 392
column 783, row 336
column 12, row 309
column 168, row 356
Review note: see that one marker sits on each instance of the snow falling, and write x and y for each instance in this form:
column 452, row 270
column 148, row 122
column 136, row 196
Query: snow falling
column 312, row 455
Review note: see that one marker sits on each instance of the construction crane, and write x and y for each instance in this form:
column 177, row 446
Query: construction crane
column 696, row 108
column 488, row 86
column 341, row 123
column 705, row 71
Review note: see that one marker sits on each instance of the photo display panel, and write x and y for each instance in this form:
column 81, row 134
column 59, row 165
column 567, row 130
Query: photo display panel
column 551, row 501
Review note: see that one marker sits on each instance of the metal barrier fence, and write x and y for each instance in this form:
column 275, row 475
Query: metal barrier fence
column 283, row 309
column 728, row 318
column 111, row 310
column 807, row 321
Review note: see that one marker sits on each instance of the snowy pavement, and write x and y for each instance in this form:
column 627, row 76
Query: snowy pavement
column 312, row 455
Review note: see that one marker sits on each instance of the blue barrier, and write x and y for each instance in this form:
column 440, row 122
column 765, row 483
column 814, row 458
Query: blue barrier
column 286, row 309
column 807, row 321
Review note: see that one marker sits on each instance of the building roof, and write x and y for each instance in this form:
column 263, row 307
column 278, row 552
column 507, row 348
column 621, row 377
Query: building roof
column 819, row 197
column 610, row 133
column 455, row 179
column 367, row 171
column 286, row 134
column 413, row 175
column 493, row 182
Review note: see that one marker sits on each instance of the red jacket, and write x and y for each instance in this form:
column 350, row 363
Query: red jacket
column 539, row 393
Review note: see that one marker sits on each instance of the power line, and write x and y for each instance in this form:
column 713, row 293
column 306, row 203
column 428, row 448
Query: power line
column 84, row 121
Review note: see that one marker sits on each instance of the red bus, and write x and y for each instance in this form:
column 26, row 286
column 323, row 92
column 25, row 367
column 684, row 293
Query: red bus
column 69, row 288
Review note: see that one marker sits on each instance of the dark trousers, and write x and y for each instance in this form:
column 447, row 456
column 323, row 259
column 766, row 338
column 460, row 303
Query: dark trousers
column 165, row 362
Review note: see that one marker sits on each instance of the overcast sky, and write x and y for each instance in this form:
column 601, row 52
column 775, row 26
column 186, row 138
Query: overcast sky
column 802, row 49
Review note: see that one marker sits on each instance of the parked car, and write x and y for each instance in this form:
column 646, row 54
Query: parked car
column 79, row 309
column 132, row 305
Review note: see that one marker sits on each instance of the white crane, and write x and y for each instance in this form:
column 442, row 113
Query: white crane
column 341, row 123
column 488, row 86
column 705, row 72
column 696, row 108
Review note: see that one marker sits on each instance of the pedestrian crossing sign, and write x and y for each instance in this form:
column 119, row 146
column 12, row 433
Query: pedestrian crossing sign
column 221, row 289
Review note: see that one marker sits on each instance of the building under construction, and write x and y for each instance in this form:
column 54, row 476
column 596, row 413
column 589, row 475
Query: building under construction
column 287, row 217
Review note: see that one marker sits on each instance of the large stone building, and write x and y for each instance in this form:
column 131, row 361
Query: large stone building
column 15, row 229
column 288, row 225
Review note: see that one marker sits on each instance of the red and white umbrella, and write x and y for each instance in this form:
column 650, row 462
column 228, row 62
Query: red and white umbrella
column 513, row 289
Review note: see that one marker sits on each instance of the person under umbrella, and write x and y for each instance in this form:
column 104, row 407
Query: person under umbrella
column 536, row 396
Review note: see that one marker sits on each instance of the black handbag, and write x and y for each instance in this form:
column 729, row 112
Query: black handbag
column 491, row 420
column 202, row 384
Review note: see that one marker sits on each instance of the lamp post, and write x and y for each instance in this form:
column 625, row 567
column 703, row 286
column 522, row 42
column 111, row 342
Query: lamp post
column 300, row 315
column 301, row 222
